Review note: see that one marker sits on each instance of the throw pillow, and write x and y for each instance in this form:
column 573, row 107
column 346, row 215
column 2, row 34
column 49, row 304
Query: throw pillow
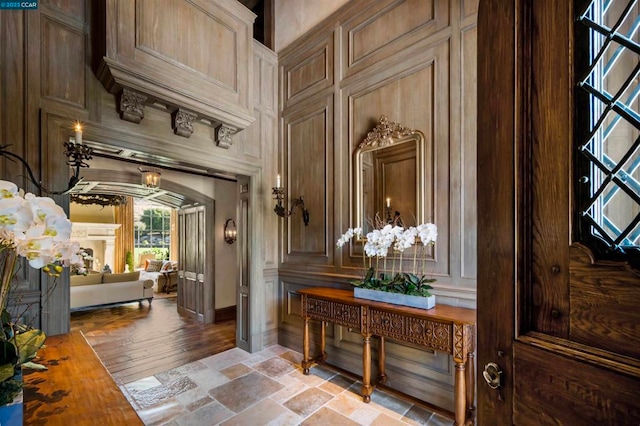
column 154, row 266
column 167, row 265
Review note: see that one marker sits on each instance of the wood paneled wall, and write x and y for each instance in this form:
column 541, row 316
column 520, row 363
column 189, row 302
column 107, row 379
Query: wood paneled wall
column 413, row 61
column 47, row 82
column 44, row 87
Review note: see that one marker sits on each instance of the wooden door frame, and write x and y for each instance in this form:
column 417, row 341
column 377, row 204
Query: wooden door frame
column 197, row 198
column 500, row 62
column 528, row 262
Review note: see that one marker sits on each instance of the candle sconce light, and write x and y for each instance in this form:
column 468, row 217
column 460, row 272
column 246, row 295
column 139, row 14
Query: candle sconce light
column 230, row 231
column 392, row 215
column 278, row 195
column 77, row 155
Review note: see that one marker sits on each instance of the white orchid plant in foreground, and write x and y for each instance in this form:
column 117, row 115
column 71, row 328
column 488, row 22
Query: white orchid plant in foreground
column 398, row 239
column 37, row 229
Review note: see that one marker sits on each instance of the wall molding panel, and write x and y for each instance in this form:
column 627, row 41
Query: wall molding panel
column 414, row 62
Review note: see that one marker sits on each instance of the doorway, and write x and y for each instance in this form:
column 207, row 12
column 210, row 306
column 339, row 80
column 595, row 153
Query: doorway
column 195, row 195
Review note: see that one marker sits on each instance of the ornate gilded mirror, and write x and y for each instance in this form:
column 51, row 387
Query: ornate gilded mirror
column 389, row 177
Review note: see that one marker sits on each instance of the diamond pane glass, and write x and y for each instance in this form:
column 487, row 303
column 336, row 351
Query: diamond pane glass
column 609, row 154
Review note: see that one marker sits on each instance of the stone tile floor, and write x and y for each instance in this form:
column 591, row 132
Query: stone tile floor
column 265, row 388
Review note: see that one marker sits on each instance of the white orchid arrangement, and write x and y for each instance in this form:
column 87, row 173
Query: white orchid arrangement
column 397, row 238
column 37, row 229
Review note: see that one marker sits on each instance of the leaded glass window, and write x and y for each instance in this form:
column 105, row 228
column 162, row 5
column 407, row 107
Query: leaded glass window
column 608, row 126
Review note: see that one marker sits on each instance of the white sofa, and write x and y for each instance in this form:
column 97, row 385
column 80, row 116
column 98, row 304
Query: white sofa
column 102, row 289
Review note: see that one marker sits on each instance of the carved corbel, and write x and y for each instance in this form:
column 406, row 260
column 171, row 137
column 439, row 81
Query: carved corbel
column 224, row 134
column 182, row 122
column 132, row 105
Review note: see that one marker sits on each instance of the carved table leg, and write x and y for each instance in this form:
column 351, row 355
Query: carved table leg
column 306, row 360
column 460, row 395
column 323, row 341
column 382, row 358
column 470, row 382
column 367, row 389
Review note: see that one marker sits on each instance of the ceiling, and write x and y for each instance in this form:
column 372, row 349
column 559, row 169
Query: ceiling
column 129, row 183
column 160, row 196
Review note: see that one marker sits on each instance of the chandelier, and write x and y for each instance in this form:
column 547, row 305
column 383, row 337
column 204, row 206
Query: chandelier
column 150, row 177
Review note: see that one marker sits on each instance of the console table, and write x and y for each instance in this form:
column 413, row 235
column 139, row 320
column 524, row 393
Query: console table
column 444, row 328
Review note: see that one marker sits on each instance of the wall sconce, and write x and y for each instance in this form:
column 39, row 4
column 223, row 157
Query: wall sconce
column 230, row 231
column 150, row 177
column 77, row 154
column 278, row 193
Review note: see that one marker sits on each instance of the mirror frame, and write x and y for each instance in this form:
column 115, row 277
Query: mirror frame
column 383, row 135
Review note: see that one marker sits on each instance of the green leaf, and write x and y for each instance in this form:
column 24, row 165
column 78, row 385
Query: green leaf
column 34, row 366
column 29, row 343
column 7, row 371
column 356, row 283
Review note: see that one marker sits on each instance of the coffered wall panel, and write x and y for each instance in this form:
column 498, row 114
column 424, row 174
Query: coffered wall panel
column 163, row 36
column 308, row 71
column 308, row 147
column 63, row 69
column 72, row 8
column 469, row 9
column 389, row 27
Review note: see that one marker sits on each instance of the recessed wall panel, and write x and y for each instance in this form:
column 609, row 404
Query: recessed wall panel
column 469, row 8
column 62, row 74
column 307, row 178
column 387, row 29
column 185, row 35
column 73, row 8
column 307, row 71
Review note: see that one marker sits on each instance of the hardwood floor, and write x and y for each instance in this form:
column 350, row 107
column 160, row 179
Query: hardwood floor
column 135, row 341
column 75, row 390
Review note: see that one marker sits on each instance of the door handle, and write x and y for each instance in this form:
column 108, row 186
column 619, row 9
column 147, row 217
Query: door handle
column 492, row 375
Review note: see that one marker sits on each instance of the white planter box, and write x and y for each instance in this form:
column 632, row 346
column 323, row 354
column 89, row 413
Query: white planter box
column 395, row 298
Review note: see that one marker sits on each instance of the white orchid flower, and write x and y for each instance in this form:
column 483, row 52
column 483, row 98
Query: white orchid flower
column 357, row 232
column 58, row 227
column 43, row 207
column 37, row 249
column 37, row 228
column 428, row 233
column 14, row 218
column 68, row 253
column 345, row 237
column 8, row 189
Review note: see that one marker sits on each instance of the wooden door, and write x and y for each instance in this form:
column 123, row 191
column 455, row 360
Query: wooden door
column 559, row 322
column 191, row 262
column 243, row 284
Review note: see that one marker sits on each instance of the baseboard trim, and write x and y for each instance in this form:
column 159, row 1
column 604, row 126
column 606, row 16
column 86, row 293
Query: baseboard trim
column 225, row 314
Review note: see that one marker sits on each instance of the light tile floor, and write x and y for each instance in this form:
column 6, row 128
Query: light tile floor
column 265, row 388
